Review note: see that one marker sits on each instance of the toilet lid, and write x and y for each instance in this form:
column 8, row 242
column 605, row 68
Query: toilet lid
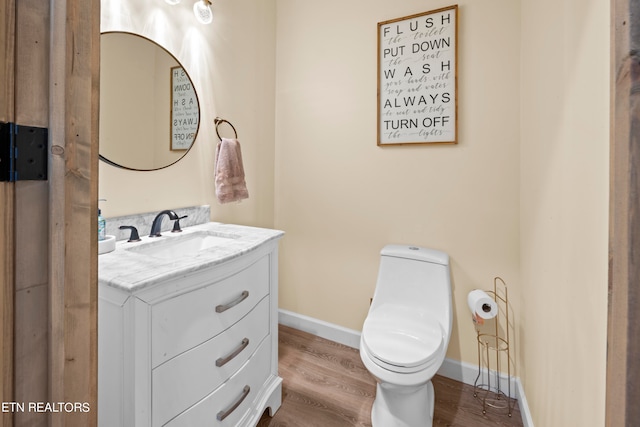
column 402, row 337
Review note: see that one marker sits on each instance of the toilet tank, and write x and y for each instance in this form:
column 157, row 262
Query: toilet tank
column 416, row 253
column 417, row 277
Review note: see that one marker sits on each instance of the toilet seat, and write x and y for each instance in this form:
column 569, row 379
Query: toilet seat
column 402, row 339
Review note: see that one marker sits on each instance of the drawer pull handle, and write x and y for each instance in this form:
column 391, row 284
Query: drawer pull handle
column 222, row 308
column 224, row 414
column 224, row 360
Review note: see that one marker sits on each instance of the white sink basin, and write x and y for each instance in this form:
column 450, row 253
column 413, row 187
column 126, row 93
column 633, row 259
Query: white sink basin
column 172, row 247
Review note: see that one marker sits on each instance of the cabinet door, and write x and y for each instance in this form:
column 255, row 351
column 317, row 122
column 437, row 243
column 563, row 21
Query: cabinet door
column 188, row 320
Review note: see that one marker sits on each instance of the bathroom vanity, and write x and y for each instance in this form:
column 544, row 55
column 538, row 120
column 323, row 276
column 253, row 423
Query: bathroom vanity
column 187, row 331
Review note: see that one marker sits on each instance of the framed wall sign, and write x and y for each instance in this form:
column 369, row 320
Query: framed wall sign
column 185, row 112
column 417, row 78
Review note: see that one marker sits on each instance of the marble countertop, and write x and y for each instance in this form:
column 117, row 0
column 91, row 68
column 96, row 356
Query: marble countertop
column 130, row 270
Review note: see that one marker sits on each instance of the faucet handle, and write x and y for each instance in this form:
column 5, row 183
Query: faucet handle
column 176, row 224
column 134, row 237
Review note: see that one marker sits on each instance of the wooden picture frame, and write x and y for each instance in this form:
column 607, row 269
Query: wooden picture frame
column 417, row 79
column 185, row 113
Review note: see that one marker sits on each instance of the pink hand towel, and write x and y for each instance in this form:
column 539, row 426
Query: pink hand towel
column 229, row 172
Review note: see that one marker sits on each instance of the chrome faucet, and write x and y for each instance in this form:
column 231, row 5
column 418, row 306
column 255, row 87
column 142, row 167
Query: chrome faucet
column 157, row 222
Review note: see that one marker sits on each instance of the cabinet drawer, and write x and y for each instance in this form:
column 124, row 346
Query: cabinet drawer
column 191, row 376
column 233, row 399
column 187, row 320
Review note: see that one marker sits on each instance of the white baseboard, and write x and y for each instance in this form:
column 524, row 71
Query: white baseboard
column 320, row 328
column 527, row 419
column 454, row 369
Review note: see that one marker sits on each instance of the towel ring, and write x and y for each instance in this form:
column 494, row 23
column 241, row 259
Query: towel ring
column 219, row 121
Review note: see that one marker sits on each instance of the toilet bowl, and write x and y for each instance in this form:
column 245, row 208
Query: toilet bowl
column 406, row 333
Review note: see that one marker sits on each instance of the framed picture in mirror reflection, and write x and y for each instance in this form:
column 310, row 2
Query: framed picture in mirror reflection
column 184, row 110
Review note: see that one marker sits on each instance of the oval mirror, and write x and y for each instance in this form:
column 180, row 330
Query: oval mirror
column 149, row 110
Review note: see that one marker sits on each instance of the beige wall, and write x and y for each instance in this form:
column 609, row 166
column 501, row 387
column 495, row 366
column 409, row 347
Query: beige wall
column 564, row 209
column 232, row 64
column 341, row 198
column 526, row 188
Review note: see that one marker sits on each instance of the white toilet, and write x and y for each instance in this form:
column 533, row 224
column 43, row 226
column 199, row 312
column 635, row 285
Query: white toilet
column 406, row 333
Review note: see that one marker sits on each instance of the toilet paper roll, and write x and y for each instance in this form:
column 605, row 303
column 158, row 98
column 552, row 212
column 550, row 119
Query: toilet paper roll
column 482, row 305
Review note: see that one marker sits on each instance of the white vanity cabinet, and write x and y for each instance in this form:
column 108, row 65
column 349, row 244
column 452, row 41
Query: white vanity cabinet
column 199, row 349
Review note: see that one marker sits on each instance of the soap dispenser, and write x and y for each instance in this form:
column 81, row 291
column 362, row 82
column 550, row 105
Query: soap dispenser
column 101, row 224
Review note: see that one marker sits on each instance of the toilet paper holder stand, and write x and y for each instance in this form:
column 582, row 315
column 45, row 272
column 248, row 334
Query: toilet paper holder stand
column 491, row 385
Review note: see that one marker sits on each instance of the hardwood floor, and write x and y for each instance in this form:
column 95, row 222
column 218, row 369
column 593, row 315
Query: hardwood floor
column 326, row 385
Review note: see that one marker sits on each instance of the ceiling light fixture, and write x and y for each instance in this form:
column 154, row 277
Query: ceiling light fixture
column 172, row 2
column 203, row 12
